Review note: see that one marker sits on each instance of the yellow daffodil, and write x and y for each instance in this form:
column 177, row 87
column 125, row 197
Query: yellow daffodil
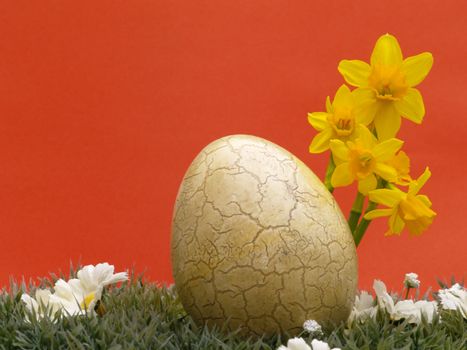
column 338, row 122
column 405, row 209
column 401, row 162
column 386, row 87
column 363, row 158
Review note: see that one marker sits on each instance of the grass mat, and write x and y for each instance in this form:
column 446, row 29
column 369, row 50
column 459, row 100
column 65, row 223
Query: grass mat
column 142, row 315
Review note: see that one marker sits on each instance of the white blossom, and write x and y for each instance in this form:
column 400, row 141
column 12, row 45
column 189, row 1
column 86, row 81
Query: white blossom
column 295, row 344
column 96, row 277
column 363, row 308
column 411, row 280
column 77, row 296
column 454, row 298
column 72, row 297
column 427, row 308
column 385, row 301
column 413, row 311
column 405, row 309
column 40, row 305
column 321, row 345
column 91, row 282
column 311, row 326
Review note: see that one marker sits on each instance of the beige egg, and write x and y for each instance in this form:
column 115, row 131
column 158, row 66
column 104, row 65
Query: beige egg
column 258, row 239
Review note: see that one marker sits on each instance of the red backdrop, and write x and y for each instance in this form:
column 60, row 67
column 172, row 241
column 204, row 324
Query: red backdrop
column 103, row 105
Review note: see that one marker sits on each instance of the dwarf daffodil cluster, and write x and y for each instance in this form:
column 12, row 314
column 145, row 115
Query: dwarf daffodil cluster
column 77, row 296
column 360, row 126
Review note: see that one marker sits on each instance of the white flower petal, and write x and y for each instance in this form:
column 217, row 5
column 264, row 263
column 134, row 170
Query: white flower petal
column 385, row 301
column 364, row 307
column 95, row 277
column 427, row 308
column 454, row 298
column 319, row 345
column 64, row 291
column 297, row 344
column 31, row 303
column 406, row 309
column 364, row 301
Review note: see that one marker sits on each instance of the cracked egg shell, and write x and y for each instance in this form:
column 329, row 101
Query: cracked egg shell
column 258, row 239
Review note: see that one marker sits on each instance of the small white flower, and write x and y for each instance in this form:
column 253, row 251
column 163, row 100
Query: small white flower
column 71, row 296
column 385, row 301
column 321, row 345
column 364, row 307
column 91, row 282
column 311, row 326
column 96, row 277
column 427, row 308
column 76, row 296
column 412, row 312
column 295, row 344
column 411, row 280
column 454, row 298
column 41, row 304
column 405, row 309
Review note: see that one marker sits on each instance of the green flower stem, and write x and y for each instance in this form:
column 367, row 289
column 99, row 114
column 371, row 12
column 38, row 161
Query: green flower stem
column 356, row 211
column 329, row 171
column 362, row 227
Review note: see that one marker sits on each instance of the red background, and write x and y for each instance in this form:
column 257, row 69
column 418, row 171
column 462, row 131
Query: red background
column 103, row 105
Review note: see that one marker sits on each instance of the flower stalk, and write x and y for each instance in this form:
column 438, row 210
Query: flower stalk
column 359, row 232
column 329, row 172
column 356, row 211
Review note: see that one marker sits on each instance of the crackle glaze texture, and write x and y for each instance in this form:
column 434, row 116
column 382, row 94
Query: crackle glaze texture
column 257, row 239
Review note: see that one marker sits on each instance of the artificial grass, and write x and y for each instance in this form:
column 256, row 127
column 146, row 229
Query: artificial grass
column 144, row 316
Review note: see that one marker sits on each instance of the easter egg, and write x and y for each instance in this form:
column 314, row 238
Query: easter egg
column 258, row 241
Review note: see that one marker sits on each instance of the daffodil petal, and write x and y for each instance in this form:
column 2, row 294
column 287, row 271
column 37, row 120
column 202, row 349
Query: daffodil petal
column 396, row 224
column 425, row 200
column 355, row 72
column 366, row 137
column 318, row 120
column 320, row 142
column 387, row 172
column 416, row 68
column 329, row 108
column 341, row 176
column 343, row 98
column 411, row 106
column 416, row 185
column 377, row 213
column 366, row 105
column 387, row 122
column 367, row 184
column 387, row 197
column 339, row 149
column 386, row 150
column 386, row 51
